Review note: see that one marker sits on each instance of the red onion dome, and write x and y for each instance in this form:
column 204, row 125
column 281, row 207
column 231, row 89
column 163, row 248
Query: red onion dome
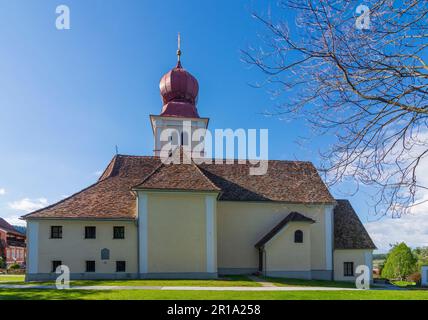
column 179, row 91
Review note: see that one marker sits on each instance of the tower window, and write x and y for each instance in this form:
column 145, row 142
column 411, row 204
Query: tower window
column 298, row 236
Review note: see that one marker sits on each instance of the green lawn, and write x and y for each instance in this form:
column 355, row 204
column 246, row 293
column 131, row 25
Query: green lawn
column 11, row 278
column 285, row 282
column 403, row 283
column 33, row 294
column 226, row 281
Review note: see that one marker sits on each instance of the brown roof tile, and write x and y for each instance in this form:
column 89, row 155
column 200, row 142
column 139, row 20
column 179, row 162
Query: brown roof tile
column 349, row 232
column 178, row 177
column 111, row 196
column 286, row 181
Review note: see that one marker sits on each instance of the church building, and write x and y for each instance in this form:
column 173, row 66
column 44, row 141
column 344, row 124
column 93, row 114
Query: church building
column 145, row 218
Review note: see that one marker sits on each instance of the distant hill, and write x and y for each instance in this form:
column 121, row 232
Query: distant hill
column 20, row 229
column 379, row 256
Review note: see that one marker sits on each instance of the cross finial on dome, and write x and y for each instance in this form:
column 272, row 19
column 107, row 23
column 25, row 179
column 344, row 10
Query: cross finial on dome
column 178, row 51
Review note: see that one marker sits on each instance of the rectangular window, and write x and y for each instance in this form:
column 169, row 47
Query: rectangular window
column 120, row 266
column 56, row 232
column 348, row 269
column 90, row 266
column 90, row 232
column 118, row 232
column 56, row 264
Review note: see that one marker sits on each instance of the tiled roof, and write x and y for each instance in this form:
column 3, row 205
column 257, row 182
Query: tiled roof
column 285, row 181
column 292, row 217
column 111, row 196
column 6, row 226
column 349, row 232
column 178, row 177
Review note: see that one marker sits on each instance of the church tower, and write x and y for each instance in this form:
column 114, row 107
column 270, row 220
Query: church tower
column 179, row 118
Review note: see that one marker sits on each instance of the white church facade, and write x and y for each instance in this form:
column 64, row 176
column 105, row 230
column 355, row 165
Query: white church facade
column 147, row 219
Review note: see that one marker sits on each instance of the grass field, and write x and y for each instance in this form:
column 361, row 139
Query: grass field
column 227, row 281
column 404, row 283
column 11, row 278
column 33, row 294
column 51, row 294
column 282, row 282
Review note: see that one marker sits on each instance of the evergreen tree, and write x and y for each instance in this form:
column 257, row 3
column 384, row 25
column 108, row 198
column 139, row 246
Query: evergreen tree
column 399, row 263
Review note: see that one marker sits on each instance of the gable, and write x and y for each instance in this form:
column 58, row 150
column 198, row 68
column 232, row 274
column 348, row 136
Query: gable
column 292, row 217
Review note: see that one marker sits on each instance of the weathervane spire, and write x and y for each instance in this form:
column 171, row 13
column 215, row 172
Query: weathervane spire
column 178, row 50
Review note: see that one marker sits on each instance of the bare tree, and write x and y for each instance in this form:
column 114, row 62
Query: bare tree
column 363, row 80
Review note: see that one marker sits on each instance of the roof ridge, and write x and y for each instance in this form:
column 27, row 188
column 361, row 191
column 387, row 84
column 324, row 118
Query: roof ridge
column 111, row 165
column 204, row 175
column 213, row 159
column 136, row 156
column 149, row 175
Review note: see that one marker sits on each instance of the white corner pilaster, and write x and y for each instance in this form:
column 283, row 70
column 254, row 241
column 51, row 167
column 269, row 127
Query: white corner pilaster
column 142, row 231
column 33, row 246
column 368, row 261
column 211, row 232
column 328, row 218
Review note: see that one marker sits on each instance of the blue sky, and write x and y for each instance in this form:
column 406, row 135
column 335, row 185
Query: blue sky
column 68, row 97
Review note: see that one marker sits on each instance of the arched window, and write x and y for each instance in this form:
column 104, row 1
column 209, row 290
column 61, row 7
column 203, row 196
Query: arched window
column 184, row 139
column 298, row 236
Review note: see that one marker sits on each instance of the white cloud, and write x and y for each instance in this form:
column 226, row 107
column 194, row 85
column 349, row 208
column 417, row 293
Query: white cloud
column 2, row 191
column 411, row 228
column 28, row 205
column 98, row 173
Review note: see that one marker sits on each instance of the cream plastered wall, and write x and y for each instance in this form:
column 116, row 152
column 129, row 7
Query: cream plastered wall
column 73, row 249
column 357, row 256
column 283, row 254
column 241, row 224
column 176, row 240
column 178, row 124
